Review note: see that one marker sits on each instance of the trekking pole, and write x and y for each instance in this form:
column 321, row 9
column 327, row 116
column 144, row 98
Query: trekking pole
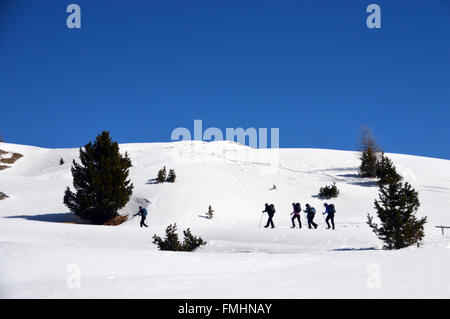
column 260, row 220
column 325, row 219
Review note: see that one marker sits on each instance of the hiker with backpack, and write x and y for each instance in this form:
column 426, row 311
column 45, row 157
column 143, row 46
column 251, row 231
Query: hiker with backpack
column 310, row 213
column 330, row 211
column 296, row 214
column 143, row 213
column 270, row 210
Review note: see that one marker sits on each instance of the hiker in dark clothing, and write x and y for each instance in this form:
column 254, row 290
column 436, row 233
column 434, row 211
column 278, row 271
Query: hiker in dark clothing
column 296, row 214
column 310, row 212
column 270, row 210
column 143, row 213
column 329, row 210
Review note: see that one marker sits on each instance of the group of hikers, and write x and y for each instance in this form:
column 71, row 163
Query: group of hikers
column 270, row 210
column 310, row 214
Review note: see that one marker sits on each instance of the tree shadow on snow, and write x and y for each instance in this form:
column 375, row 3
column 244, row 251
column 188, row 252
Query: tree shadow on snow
column 339, row 169
column 151, row 181
column 354, row 249
column 52, row 218
column 365, row 184
column 356, row 179
column 350, row 175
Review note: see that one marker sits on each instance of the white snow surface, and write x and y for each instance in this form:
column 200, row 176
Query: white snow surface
column 44, row 255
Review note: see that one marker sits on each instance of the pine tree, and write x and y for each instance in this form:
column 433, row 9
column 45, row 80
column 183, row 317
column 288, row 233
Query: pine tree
column 101, row 181
column 171, row 241
column 369, row 153
column 161, row 178
column 210, row 212
column 191, row 242
column 386, row 171
column 171, row 177
column 61, row 161
column 328, row 192
column 396, row 210
column 368, row 167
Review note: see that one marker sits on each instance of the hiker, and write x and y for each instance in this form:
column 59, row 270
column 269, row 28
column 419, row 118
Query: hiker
column 329, row 210
column 296, row 214
column 310, row 212
column 270, row 210
column 143, row 213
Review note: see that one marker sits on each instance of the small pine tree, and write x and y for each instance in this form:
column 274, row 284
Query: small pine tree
column 101, row 181
column 210, row 212
column 1, row 139
column 171, row 242
column 61, row 161
column 396, row 210
column 171, row 177
column 386, row 171
column 328, row 192
column 162, row 174
column 191, row 242
column 369, row 153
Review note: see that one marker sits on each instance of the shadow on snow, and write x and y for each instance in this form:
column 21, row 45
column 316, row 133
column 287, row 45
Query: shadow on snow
column 51, row 218
column 354, row 249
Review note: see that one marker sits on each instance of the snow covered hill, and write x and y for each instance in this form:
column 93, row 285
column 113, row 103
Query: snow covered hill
column 42, row 252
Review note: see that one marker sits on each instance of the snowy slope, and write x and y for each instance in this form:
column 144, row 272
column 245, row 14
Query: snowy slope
column 38, row 244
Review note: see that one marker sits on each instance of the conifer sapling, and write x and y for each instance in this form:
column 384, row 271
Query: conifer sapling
column 171, row 177
column 369, row 153
column 396, row 210
column 162, row 175
column 209, row 213
column 171, row 241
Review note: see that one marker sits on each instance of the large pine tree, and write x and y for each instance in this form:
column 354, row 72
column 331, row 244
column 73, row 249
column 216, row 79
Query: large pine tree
column 396, row 210
column 101, row 181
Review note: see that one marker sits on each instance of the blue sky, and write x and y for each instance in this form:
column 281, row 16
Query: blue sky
column 311, row 68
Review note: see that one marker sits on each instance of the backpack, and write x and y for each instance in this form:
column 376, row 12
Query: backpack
column 297, row 208
column 312, row 210
column 272, row 208
column 144, row 212
column 332, row 209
